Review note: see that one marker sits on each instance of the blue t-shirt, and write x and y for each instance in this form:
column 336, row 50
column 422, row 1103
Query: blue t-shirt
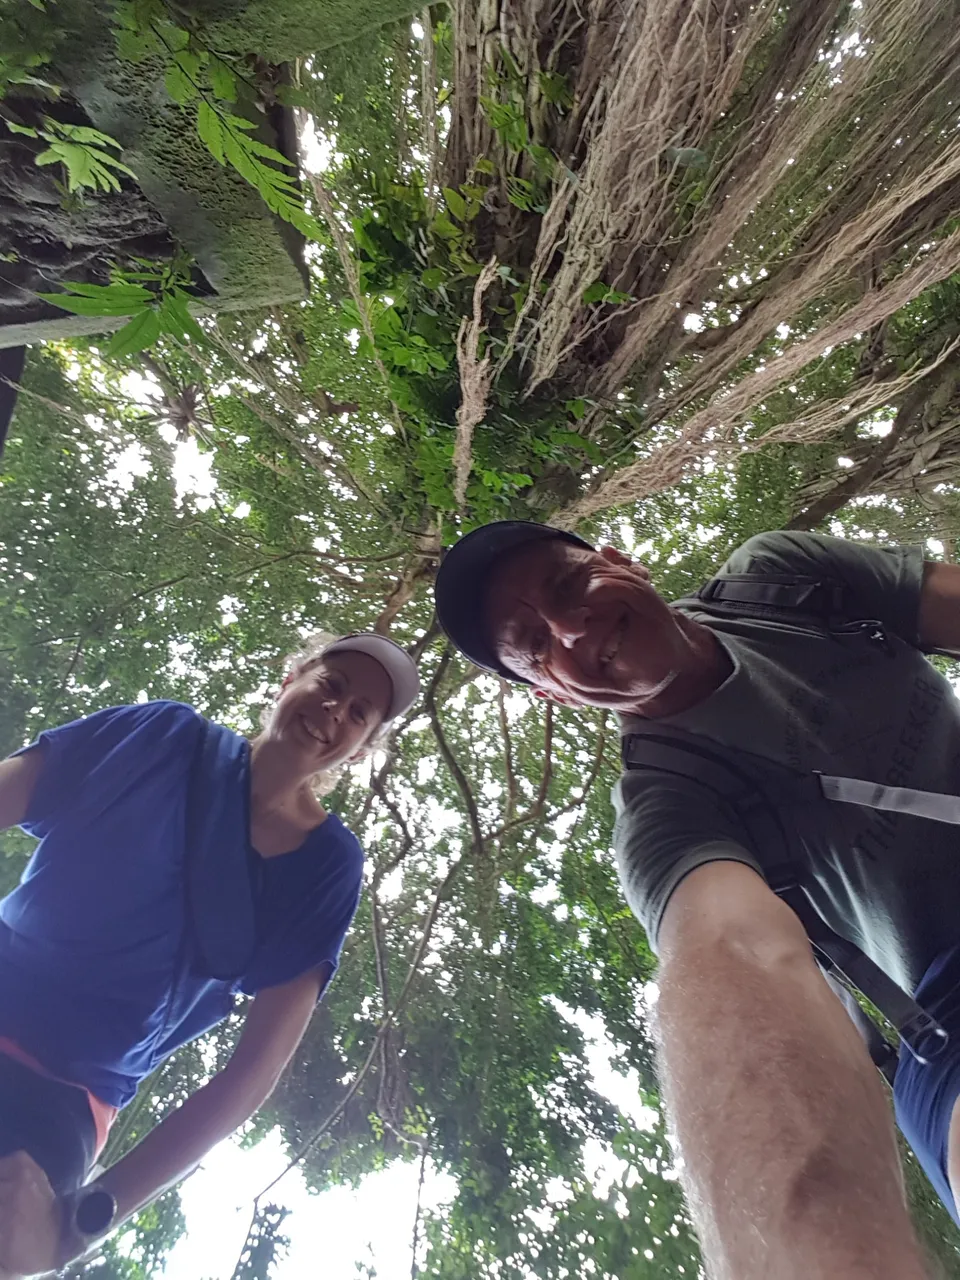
column 99, row 975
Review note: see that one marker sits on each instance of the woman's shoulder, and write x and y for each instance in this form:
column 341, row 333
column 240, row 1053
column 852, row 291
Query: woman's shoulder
column 101, row 733
column 334, row 834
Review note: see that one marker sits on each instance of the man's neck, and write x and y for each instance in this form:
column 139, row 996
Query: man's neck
column 707, row 665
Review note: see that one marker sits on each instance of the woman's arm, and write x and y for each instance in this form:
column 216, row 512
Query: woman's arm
column 18, row 776
column 273, row 1029
column 30, row 1236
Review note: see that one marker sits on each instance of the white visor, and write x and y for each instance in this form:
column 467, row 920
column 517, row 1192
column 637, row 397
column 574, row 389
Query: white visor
column 397, row 663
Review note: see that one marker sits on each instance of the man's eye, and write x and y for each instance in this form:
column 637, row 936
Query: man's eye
column 566, row 587
column 360, row 715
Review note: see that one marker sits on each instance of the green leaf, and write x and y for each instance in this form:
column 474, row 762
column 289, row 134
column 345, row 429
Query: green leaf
column 175, row 317
column 77, row 148
column 445, row 228
column 239, row 122
column 483, row 165
column 222, row 80
column 175, row 38
column 21, row 128
column 258, row 148
column 455, row 203
column 434, row 277
column 80, row 306
column 226, row 137
column 122, row 292
column 178, row 85
column 141, row 332
column 82, row 134
column 133, row 45
column 210, row 130
column 190, row 63
column 687, row 157
column 600, row 292
column 555, row 88
column 543, row 158
column 521, row 193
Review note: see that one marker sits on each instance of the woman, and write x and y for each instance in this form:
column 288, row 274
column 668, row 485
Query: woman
column 178, row 864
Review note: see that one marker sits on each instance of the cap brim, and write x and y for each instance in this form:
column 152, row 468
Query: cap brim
column 397, row 663
column 462, row 581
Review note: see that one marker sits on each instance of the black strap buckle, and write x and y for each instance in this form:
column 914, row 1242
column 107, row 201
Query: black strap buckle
column 924, row 1037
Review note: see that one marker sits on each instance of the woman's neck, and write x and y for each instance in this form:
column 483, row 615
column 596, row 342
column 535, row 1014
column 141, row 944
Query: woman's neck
column 273, row 795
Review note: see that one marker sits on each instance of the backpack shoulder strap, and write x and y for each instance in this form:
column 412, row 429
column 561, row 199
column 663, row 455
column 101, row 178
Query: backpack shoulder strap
column 221, row 906
column 826, row 602
column 818, row 597
column 687, row 755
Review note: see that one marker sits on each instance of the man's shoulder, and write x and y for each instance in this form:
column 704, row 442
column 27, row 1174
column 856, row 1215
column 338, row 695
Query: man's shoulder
column 787, row 551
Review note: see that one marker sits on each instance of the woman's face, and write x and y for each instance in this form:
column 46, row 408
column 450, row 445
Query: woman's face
column 330, row 708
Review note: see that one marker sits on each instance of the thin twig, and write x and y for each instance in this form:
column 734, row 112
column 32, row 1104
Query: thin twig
column 539, row 804
column 451, row 761
column 428, row 106
column 414, row 1269
column 511, row 803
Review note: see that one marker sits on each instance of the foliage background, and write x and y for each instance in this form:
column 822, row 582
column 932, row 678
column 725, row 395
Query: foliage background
column 520, row 305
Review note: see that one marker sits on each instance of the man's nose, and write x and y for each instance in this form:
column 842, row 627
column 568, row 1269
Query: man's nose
column 570, row 626
column 334, row 708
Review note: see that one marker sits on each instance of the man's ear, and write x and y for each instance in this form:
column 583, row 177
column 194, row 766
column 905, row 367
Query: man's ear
column 615, row 556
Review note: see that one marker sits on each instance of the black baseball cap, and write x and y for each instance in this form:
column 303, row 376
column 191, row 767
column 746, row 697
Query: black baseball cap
column 463, row 578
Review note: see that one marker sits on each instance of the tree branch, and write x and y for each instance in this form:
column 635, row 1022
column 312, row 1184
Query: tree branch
column 537, row 807
column 511, row 804
column 451, row 761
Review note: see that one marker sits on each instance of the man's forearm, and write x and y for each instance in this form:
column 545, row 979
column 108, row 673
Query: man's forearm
column 785, row 1130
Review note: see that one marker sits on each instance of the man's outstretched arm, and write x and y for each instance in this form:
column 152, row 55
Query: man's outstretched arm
column 790, row 1161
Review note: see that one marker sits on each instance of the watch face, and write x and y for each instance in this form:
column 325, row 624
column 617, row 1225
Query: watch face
column 95, row 1212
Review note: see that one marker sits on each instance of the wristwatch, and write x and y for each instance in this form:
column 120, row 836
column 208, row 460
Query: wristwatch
column 89, row 1211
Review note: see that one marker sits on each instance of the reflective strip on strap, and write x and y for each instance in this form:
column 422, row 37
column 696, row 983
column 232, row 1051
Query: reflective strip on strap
column 923, row 804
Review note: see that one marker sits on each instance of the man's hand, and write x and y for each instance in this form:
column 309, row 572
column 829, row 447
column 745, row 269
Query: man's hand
column 29, row 1219
column 939, row 620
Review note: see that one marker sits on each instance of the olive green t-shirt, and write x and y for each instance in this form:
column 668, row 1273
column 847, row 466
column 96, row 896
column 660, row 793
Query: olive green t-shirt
column 810, row 700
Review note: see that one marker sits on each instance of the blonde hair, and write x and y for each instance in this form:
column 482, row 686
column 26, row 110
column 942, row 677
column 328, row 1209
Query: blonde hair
column 294, row 664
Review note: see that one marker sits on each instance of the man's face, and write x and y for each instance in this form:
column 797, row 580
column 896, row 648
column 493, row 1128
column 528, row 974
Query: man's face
column 584, row 627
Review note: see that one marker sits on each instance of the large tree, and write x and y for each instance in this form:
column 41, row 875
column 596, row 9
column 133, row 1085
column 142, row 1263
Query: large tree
column 677, row 272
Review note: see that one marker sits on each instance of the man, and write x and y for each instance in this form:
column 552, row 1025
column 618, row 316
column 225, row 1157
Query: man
column 789, row 1155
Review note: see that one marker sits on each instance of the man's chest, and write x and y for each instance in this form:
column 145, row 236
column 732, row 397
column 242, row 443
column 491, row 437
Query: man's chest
column 882, row 713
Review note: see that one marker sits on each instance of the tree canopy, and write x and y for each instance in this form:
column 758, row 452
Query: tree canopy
column 672, row 274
